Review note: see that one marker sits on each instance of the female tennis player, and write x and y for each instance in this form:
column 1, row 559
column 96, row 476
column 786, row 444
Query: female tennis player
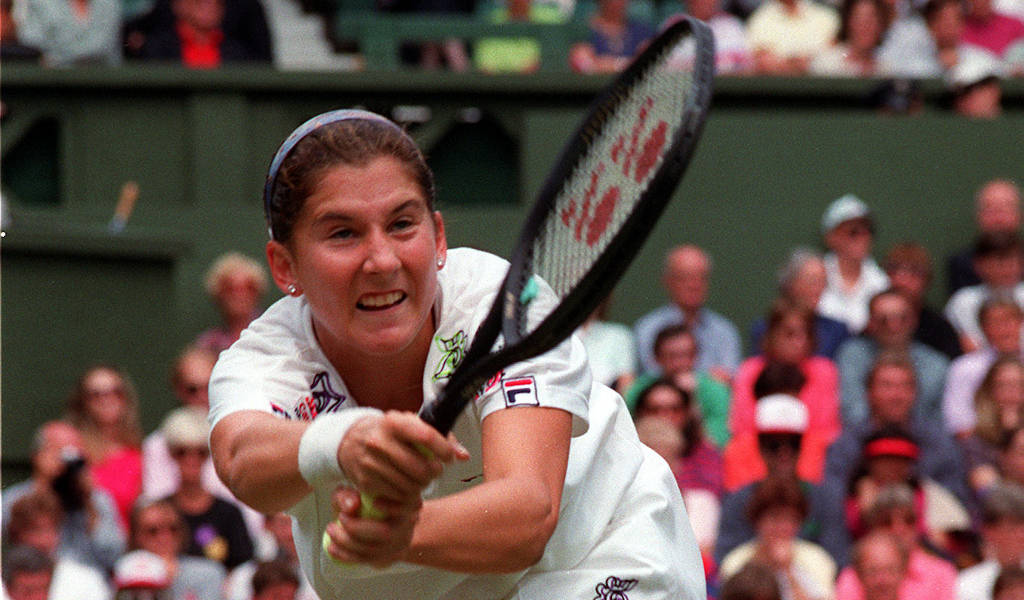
column 548, row 495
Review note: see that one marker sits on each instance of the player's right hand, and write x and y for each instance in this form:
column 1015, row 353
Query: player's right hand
column 394, row 456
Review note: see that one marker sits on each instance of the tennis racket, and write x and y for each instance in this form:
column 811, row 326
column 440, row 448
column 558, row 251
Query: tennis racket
column 596, row 209
column 594, row 212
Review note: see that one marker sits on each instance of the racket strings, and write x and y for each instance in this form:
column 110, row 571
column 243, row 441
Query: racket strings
column 628, row 144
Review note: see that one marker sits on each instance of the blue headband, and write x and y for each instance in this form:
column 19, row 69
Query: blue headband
column 296, row 136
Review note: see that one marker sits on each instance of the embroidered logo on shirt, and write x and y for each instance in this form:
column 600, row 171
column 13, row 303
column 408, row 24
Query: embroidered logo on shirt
column 614, row 588
column 521, row 391
column 454, row 349
column 321, row 399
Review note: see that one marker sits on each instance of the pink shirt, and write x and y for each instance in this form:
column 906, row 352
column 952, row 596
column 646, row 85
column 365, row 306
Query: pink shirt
column 928, row 578
column 820, row 394
column 120, row 474
column 995, row 34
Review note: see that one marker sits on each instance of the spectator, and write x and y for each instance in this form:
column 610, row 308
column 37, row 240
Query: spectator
column 998, row 261
column 27, row 573
column 804, row 569
column 891, row 395
column 975, row 85
column 687, row 269
column 853, row 276
column 197, row 38
column 1010, row 584
column 732, row 52
column 854, row 53
column 786, row 34
column 71, row 32
column 1002, row 530
column 753, row 582
column 141, row 575
column 36, row 522
column 891, row 327
column 996, row 209
column 274, row 581
column 790, row 341
column 783, row 420
column 105, row 408
column 676, row 352
column 515, row 54
column 990, row 29
column 158, row 528
column 699, row 475
column 909, row 268
column 890, row 457
column 802, row 281
column 615, row 38
column 11, row 47
column 880, row 569
column 244, row 22
column 216, row 529
column 235, row 283
column 90, row 531
column 610, row 348
column 239, row 585
column 1001, row 321
column 929, row 51
column 894, row 512
column 1011, row 457
column 999, row 406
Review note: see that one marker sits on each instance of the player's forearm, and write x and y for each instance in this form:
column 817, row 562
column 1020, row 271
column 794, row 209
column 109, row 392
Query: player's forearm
column 496, row 527
column 256, row 456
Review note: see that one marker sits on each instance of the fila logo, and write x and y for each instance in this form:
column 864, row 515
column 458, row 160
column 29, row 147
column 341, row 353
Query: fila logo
column 521, row 391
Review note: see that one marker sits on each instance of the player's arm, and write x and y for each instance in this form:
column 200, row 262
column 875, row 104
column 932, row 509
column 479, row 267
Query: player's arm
column 503, row 524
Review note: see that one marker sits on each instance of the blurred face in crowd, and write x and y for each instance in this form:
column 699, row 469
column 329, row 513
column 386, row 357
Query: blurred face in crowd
column 55, row 440
column 686, row 277
column 779, row 452
column 665, row 403
column 43, row 534
column 998, row 207
column 206, row 16
column 789, row 341
column 1001, row 270
column 677, row 354
column 190, row 460
column 808, row 284
column 238, row 294
column 891, row 394
column 851, row 240
column 1012, row 459
column 192, row 379
column 1008, row 387
column 947, row 25
column 880, row 568
column 902, row 523
column 865, row 27
column 159, row 530
column 1001, row 326
column 105, row 397
column 30, row 586
column 910, row 279
column 889, row 470
column 778, row 523
column 1006, row 539
column 891, row 322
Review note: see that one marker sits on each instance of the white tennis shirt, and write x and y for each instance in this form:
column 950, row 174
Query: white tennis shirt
column 278, row 367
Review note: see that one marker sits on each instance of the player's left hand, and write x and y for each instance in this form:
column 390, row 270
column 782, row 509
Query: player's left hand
column 379, row 543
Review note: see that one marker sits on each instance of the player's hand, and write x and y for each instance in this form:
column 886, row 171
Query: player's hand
column 354, row 539
column 395, row 455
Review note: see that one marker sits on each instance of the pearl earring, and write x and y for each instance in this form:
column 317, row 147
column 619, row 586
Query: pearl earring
column 292, row 289
column 440, row 263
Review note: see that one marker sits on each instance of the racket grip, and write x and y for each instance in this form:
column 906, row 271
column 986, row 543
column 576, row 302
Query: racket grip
column 367, row 510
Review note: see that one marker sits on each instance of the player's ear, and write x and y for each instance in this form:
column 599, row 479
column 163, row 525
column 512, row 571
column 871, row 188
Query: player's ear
column 282, row 267
column 441, row 240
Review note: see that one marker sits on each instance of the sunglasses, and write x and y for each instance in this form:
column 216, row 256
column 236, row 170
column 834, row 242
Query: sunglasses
column 775, row 443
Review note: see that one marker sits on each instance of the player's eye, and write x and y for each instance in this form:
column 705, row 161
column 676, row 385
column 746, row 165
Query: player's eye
column 343, row 233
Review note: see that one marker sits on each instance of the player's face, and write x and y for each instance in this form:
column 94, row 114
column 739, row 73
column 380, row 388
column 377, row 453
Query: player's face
column 365, row 252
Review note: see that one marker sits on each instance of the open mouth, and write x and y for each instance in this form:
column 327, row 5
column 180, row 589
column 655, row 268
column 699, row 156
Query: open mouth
column 380, row 301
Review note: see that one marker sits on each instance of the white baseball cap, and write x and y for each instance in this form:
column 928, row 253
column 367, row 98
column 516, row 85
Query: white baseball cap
column 781, row 413
column 141, row 569
column 842, row 209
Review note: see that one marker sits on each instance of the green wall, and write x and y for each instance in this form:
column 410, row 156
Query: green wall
column 774, row 153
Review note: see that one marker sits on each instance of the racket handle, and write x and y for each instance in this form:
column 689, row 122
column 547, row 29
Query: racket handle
column 367, row 510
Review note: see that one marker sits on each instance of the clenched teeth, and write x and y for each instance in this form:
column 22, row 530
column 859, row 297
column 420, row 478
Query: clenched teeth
column 381, row 300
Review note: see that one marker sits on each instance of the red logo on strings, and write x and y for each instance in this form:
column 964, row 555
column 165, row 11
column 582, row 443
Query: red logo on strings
column 590, row 219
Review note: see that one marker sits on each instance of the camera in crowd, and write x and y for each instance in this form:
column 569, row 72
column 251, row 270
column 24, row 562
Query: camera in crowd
column 70, row 485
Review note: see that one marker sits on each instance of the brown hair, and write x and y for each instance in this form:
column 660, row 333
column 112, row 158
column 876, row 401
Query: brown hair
column 781, row 309
column 693, row 430
column 354, row 142
column 775, row 492
column 911, row 254
column 989, row 426
column 25, row 511
column 891, row 358
column 129, row 431
column 753, row 582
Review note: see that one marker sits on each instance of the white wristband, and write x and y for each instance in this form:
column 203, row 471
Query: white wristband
column 318, row 448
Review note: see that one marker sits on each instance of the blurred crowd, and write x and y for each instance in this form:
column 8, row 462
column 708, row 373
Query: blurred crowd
column 866, row 446
column 973, row 44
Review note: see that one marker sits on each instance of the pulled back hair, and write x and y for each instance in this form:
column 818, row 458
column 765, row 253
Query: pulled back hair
column 352, row 142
